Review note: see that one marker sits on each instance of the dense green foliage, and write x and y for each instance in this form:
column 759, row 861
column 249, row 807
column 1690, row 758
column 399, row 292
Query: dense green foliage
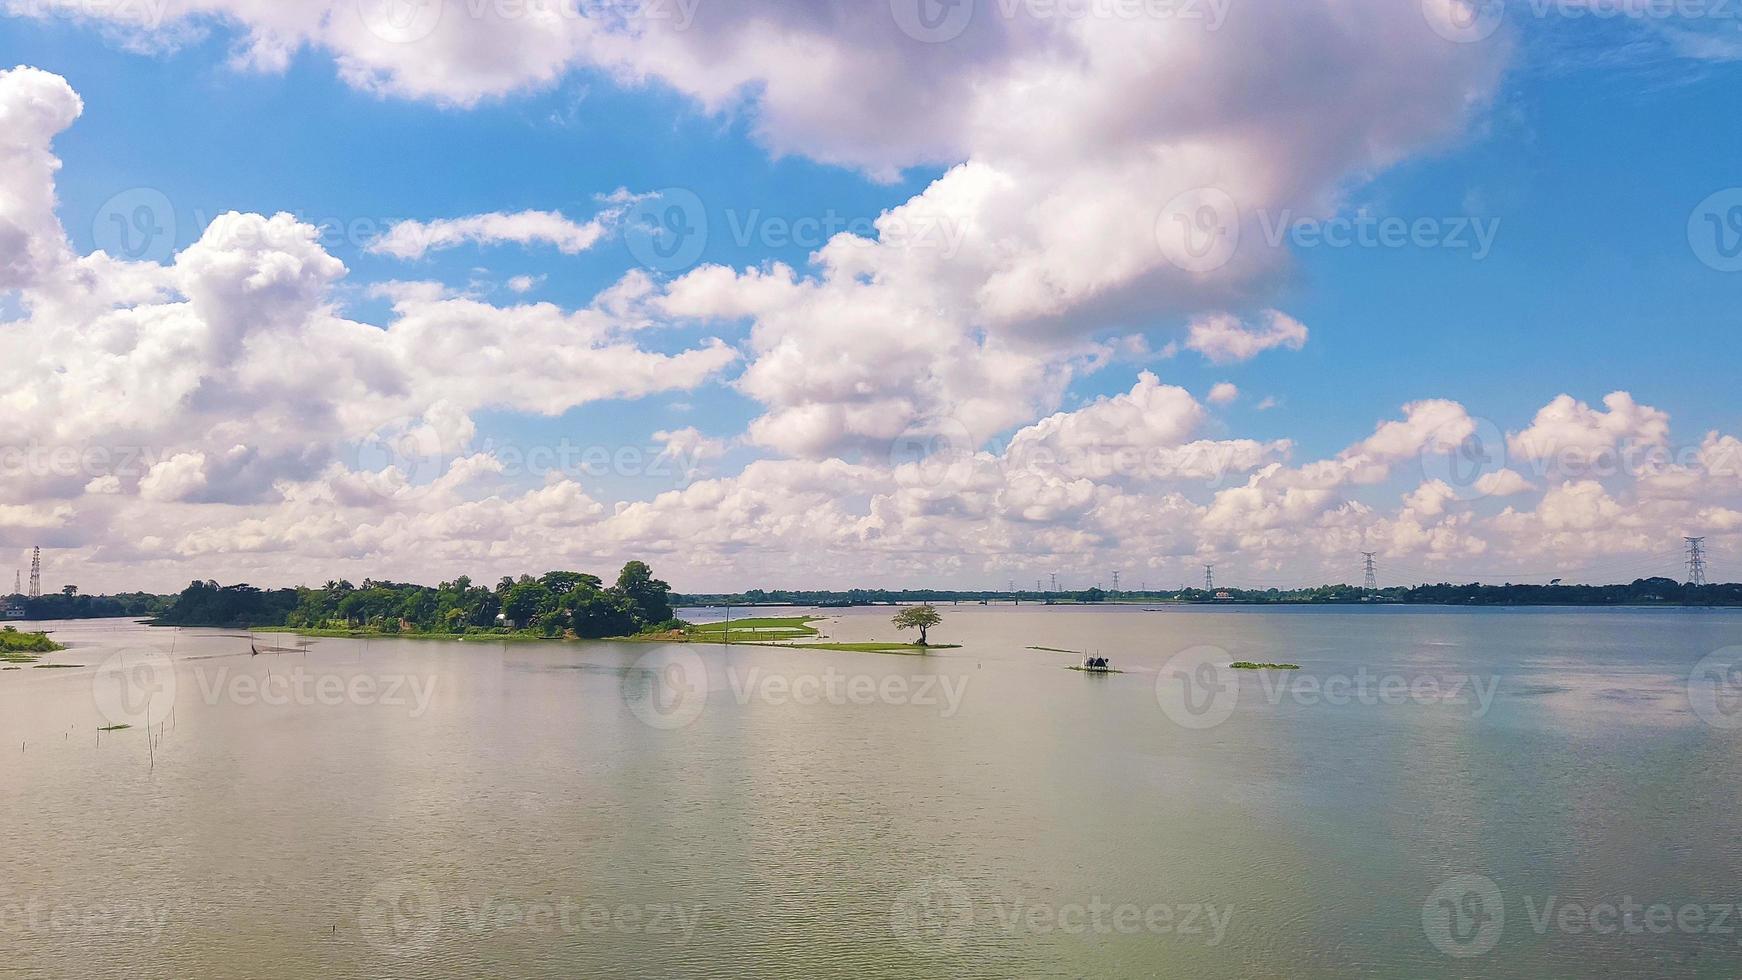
column 211, row 604
column 554, row 604
column 921, row 618
column 13, row 642
column 69, row 604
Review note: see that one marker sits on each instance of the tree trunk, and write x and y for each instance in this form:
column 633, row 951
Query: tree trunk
column 922, row 636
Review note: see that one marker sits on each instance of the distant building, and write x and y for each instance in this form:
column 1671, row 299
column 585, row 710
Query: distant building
column 1225, row 595
column 13, row 609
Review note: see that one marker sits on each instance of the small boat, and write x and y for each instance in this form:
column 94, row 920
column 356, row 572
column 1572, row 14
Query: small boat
column 1097, row 665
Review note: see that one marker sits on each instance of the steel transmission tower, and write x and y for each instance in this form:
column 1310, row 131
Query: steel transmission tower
column 36, row 573
column 1372, row 572
column 1696, row 560
column 1209, row 578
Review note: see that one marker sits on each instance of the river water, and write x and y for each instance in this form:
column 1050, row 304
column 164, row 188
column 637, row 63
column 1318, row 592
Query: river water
column 1437, row 792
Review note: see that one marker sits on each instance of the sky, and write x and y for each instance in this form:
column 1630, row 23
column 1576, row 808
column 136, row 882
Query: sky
column 902, row 293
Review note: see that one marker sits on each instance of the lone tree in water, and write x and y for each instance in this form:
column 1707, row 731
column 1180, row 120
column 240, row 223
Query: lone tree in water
column 921, row 618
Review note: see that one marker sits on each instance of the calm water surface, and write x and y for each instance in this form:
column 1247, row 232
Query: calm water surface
column 1430, row 795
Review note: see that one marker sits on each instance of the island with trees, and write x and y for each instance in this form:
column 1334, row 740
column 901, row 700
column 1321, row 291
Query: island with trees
column 796, row 632
column 553, row 605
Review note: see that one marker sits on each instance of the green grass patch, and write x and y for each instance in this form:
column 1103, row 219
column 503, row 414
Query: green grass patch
column 754, row 630
column 24, row 648
column 1248, row 665
column 114, row 728
column 1053, row 650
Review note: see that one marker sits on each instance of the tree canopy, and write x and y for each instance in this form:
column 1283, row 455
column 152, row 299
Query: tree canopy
column 552, row 604
column 921, row 618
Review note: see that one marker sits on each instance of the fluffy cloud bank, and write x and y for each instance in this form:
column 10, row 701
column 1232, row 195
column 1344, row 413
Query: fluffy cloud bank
column 230, row 378
column 1089, row 149
column 227, row 416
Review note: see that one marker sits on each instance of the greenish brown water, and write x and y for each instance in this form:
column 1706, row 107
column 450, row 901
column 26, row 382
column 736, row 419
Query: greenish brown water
column 424, row 809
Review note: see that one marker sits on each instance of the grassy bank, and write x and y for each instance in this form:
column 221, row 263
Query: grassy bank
column 481, row 636
column 754, row 630
column 24, row 648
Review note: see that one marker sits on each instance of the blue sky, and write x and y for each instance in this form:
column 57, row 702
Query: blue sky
column 1591, row 285
column 1585, row 159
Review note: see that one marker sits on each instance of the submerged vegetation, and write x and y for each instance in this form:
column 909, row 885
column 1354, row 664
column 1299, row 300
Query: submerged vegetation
column 554, row 605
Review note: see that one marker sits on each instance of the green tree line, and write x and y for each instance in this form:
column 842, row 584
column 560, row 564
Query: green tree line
column 553, row 604
column 1649, row 591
